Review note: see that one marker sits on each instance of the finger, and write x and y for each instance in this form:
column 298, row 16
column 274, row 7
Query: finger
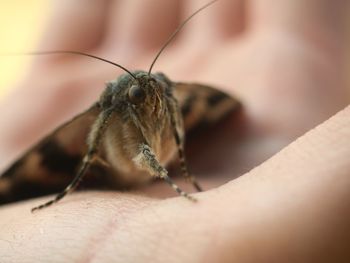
column 275, row 72
column 203, row 34
column 222, row 20
column 322, row 22
column 75, row 25
column 288, row 206
column 141, row 25
column 296, row 203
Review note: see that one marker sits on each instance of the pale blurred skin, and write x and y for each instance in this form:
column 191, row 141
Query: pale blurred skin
column 283, row 59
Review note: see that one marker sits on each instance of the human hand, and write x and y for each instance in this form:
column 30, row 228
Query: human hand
column 288, row 80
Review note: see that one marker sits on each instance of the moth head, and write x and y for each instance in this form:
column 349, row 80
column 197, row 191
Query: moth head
column 141, row 91
column 144, row 93
column 147, row 93
column 136, row 94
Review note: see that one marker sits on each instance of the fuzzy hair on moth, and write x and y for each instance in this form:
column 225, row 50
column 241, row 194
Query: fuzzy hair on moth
column 132, row 132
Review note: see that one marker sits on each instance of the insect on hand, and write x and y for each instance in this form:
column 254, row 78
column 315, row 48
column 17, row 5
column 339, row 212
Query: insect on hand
column 133, row 131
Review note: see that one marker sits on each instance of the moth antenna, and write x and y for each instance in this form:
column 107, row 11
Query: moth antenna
column 177, row 30
column 53, row 52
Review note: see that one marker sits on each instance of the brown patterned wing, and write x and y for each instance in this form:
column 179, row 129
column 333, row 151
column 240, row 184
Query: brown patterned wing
column 203, row 105
column 50, row 165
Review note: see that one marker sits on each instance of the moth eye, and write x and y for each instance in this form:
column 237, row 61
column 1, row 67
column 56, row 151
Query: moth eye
column 136, row 94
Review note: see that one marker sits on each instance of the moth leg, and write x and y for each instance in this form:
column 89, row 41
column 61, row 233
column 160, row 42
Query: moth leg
column 177, row 125
column 183, row 164
column 147, row 160
column 94, row 140
column 82, row 170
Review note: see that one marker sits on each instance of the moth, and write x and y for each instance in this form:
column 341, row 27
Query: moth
column 126, row 138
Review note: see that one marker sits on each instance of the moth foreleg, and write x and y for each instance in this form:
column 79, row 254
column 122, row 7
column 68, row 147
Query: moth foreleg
column 94, row 140
column 82, row 170
column 147, row 160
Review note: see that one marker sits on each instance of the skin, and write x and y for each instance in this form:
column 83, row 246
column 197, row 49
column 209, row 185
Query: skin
column 285, row 61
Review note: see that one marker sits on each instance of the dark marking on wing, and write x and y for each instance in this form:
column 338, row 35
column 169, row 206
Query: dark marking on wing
column 187, row 105
column 50, row 165
column 56, row 158
column 13, row 168
column 24, row 189
column 216, row 99
column 202, row 105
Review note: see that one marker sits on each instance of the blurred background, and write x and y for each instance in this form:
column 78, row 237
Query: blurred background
column 21, row 24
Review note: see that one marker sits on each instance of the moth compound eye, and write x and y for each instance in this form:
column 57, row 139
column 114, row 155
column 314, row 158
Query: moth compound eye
column 136, row 94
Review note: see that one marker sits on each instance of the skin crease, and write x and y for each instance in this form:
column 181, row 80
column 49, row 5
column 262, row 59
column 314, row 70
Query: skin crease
column 285, row 61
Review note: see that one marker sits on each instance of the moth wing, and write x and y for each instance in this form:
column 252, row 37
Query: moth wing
column 203, row 105
column 50, row 165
